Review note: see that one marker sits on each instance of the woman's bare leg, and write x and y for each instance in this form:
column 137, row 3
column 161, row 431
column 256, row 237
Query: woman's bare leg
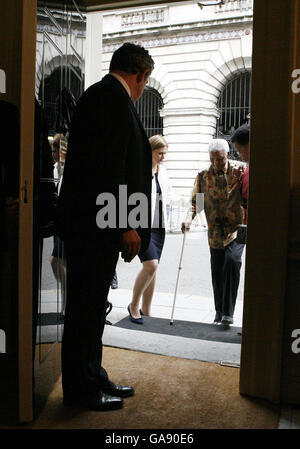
column 147, row 297
column 142, row 281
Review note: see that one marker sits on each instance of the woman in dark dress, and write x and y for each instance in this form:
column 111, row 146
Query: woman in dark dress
column 161, row 191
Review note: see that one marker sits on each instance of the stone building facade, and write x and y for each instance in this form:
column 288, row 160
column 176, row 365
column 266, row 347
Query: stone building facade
column 196, row 53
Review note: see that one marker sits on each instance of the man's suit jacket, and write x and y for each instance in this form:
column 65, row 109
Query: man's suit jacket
column 107, row 147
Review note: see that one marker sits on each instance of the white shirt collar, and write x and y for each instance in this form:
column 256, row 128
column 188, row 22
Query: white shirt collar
column 122, row 81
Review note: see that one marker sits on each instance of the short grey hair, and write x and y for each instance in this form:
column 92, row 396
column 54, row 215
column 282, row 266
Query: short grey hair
column 218, row 145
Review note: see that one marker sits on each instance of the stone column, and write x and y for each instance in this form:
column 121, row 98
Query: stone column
column 188, row 131
column 93, row 59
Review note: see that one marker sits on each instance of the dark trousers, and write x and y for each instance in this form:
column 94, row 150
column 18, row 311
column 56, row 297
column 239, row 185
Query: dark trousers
column 90, row 268
column 225, row 271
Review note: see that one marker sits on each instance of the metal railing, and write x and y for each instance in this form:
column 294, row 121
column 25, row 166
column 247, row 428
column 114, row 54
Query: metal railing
column 148, row 107
column 177, row 214
column 234, row 104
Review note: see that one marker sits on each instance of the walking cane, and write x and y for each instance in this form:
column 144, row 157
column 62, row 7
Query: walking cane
column 179, row 269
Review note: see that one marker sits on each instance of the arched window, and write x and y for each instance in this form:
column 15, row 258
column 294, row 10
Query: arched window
column 50, row 93
column 148, row 108
column 234, row 105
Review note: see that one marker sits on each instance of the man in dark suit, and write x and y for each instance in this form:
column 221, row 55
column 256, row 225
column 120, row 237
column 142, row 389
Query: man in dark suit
column 107, row 148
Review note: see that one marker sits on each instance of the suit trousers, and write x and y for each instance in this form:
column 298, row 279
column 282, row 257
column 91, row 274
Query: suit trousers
column 225, row 271
column 90, row 268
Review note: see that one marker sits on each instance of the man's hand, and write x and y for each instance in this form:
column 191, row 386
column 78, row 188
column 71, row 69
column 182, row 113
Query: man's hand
column 234, row 178
column 236, row 175
column 185, row 227
column 130, row 245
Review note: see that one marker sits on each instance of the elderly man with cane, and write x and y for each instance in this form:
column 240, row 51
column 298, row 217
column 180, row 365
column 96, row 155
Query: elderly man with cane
column 221, row 186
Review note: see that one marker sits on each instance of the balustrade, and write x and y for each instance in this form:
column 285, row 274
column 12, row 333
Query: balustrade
column 235, row 5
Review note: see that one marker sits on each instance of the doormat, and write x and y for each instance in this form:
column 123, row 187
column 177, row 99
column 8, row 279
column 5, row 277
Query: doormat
column 50, row 319
column 187, row 329
column 49, row 327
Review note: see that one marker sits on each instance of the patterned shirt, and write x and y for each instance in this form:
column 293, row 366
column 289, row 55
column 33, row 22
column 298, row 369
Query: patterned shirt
column 222, row 203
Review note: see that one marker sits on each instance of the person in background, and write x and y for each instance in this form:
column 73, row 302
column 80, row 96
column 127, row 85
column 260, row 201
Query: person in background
column 161, row 192
column 241, row 141
column 221, row 186
column 57, row 258
column 59, row 150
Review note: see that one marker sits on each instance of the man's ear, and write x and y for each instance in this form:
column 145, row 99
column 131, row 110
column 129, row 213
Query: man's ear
column 142, row 76
column 139, row 77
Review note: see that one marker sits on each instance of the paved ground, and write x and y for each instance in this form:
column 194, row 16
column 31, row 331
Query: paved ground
column 195, row 277
column 194, row 302
column 194, row 295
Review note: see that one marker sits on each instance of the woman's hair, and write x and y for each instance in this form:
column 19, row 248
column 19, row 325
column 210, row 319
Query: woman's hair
column 157, row 141
column 56, row 141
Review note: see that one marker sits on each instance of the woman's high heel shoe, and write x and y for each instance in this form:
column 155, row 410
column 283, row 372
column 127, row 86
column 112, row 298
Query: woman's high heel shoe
column 135, row 320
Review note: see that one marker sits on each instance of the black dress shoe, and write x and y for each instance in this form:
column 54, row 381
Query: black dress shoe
column 102, row 402
column 118, row 390
column 227, row 320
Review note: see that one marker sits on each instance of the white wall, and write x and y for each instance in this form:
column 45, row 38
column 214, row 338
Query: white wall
column 93, row 59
